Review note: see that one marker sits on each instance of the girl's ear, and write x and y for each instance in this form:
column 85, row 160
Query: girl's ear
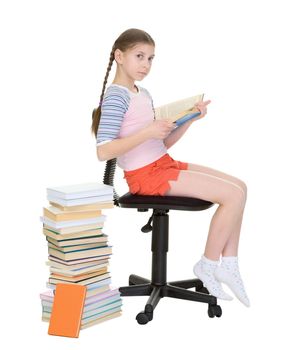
column 118, row 55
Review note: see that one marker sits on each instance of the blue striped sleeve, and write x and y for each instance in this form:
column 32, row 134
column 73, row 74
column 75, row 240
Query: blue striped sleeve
column 114, row 106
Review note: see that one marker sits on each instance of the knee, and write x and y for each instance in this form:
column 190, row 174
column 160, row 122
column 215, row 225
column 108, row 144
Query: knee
column 238, row 197
column 243, row 185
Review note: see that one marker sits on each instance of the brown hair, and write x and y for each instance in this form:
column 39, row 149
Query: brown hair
column 127, row 40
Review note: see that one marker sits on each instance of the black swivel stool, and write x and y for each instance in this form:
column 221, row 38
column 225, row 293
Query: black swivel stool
column 158, row 287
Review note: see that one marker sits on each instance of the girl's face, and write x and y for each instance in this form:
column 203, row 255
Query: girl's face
column 137, row 62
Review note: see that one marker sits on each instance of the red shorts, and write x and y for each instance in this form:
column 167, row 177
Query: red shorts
column 152, row 179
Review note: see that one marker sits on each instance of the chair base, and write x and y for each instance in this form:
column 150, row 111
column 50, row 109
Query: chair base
column 139, row 286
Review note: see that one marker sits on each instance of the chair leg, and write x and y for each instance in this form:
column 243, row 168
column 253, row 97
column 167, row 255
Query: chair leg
column 140, row 289
column 195, row 282
column 134, row 279
column 153, row 299
column 198, row 284
column 180, row 293
column 147, row 315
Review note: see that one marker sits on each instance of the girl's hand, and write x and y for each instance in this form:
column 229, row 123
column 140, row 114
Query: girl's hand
column 200, row 107
column 160, row 129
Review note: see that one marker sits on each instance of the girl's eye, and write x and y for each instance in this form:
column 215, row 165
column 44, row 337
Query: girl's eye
column 151, row 58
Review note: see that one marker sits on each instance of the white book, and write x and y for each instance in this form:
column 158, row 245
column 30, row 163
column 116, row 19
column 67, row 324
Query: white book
column 77, row 261
column 101, row 309
column 91, row 189
column 80, row 201
column 76, row 267
column 70, row 223
column 91, row 309
column 91, row 286
column 73, row 273
column 55, row 210
column 100, row 319
column 176, row 109
column 99, row 315
column 102, row 302
column 106, row 317
column 102, row 294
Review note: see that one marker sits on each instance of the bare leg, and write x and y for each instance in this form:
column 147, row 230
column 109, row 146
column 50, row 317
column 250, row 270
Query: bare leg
column 231, row 247
column 223, row 232
column 211, row 171
column 230, row 197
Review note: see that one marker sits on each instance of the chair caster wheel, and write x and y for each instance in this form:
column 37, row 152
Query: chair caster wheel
column 214, row 310
column 144, row 317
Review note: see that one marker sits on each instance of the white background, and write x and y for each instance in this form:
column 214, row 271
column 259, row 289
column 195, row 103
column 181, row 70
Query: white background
column 241, row 54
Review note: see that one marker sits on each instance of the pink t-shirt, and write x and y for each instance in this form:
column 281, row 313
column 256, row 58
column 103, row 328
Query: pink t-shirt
column 123, row 113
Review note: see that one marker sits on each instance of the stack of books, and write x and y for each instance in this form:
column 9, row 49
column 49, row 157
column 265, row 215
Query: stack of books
column 78, row 249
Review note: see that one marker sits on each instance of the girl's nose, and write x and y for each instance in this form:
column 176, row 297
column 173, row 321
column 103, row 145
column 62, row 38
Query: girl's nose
column 147, row 65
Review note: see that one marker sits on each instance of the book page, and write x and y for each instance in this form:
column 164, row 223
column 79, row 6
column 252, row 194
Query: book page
column 177, row 109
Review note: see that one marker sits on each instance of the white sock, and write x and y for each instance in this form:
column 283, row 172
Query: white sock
column 228, row 272
column 204, row 270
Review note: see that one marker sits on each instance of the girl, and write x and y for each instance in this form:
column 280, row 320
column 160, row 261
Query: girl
column 125, row 128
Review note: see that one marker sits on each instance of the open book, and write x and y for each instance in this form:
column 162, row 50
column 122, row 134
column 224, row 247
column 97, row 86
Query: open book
column 179, row 111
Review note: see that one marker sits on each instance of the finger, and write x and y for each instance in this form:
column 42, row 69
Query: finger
column 204, row 103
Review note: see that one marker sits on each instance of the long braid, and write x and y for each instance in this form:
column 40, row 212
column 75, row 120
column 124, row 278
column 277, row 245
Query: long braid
column 97, row 112
column 111, row 59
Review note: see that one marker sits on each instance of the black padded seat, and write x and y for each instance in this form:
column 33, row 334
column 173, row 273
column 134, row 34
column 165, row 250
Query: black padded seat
column 129, row 200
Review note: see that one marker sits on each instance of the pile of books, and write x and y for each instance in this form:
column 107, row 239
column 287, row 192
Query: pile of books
column 78, row 249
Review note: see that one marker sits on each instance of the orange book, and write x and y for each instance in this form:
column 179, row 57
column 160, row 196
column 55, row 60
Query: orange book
column 67, row 310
